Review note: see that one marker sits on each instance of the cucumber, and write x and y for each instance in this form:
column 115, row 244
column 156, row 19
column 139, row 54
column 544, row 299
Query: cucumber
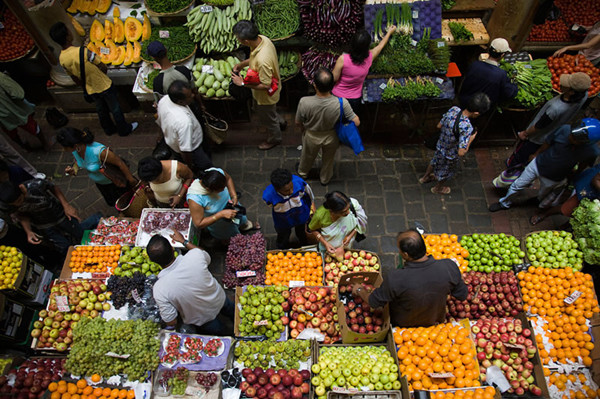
column 202, row 78
column 208, row 82
column 220, row 93
column 210, row 92
column 218, row 74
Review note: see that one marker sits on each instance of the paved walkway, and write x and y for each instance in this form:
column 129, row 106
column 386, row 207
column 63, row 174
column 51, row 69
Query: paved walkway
column 384, row 179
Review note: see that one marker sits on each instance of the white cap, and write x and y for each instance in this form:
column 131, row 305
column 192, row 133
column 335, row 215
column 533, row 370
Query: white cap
column 500, row 45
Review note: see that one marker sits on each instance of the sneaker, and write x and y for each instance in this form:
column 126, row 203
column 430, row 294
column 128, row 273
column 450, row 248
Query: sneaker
column 134, row 126
column 497, row 207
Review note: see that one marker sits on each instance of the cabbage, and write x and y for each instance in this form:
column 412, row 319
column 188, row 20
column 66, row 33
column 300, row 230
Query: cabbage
column 586, row 228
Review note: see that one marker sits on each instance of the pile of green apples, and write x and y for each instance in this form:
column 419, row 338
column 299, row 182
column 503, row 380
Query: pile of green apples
column 554, row 249
column 136, row 259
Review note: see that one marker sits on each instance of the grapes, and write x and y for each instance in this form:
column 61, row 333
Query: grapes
column 245, row 253
column 275, row 355
column 122, row 288
column 93, row 338
column 262, row 311
column 179, row 381
column 207, row 380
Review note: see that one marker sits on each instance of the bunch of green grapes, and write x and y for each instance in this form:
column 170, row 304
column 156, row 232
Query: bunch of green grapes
column 179, row 381
column 269, row 354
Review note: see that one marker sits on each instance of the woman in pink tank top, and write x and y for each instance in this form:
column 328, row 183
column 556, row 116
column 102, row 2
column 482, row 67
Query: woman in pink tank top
column 351, row 69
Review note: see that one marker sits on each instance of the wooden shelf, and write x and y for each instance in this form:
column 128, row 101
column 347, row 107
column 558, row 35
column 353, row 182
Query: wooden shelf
column 475, row 25
column 472, row 5
column 545, row 46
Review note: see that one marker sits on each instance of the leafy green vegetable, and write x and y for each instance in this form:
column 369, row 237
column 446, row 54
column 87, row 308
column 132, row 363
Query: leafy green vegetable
column 149, row 81
column 411, row 90
column 460, row 32
column 439, row 53
column 586, row 228
column 448, row 4
column 277, row 18
column 179, row 44
column 166, row 6
column 534, row 80
column 401, row 58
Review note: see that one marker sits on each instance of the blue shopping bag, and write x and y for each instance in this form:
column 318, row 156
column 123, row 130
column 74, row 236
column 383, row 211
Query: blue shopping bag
column 348, row 133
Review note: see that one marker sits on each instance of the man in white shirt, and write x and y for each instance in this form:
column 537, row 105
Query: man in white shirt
column 180, row 127
column 187, row 289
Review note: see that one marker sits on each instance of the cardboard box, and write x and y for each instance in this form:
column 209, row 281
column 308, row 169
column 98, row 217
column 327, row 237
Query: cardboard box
column 237, row 319
column 497, row 395
column 538, row 368
column 43, row 291
column 27, row 282
column 67, row 274
column 391, row 347
column 349, row 336
column 15, row 320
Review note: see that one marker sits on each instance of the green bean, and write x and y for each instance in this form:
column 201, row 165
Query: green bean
column 277, row 18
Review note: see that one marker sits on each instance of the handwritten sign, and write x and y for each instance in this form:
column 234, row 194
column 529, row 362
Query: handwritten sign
column 206, row 9
column 513, row 346
column 100, row 275
column 261, row 323
column 441, row 375
column 413, row 42
column 415, row 14
column 245, row 273
column 113, row 354
column 573, row 297
column 136, row 296
column 207, row 69
column 296, row 283
column 344, row 390
column 439, row 81
column 62, row 302
column 382, row 86
column 163, row 34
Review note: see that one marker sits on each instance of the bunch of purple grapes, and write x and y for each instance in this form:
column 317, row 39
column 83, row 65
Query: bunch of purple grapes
column 163, row 381
column 161, row 220
column 245, row 253
column 207, row 380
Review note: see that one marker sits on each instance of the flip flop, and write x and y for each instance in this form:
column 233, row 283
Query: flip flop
column 426, row 179
column 535, row 219
column 250, row 226
column 444, row 191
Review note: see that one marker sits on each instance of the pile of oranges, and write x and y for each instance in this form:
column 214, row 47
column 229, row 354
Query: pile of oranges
column 477, row 393
column 571, row 386
column 446, row 246
column 544, row 291
column 294, row 266
column 81, row 390
column 444, row 348
column 94, row 258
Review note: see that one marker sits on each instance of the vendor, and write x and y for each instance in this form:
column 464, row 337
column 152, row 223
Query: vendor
column 590, row 47
column 487, row 77
column 186, row 288
column 417, row 293
column 169, row 72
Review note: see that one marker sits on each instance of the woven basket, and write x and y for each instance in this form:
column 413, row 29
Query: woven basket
column 217, row 134
column 167, row 14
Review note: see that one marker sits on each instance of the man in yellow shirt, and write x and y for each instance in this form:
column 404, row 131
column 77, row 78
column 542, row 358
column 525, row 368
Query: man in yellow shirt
column 263, row 60
column 97, row 84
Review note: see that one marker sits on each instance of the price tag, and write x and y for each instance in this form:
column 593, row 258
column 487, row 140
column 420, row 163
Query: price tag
column 207, row 69
column 306, row 311
column 441, row 44
column 415, row 14
column 206, row 9
column 441, row 375
column 345, row 390
column 382, row 86
column 62, row 302
column 99, row 275
column 513, row 346
column 413, row 42
column 113, row 354
column 245, row 273
column 104, row 50
column 296, row 283
column 163, row 34
column 136, row 296
column 439, row 80
column 573, row 297
column 261, row 323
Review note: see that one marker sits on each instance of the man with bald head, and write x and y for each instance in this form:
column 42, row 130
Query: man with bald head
column 416, row 293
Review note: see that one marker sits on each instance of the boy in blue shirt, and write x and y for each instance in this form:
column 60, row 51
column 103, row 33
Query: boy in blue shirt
column 292, row 201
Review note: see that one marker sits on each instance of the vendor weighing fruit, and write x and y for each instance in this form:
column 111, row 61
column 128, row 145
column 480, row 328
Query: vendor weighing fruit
column 416, row 293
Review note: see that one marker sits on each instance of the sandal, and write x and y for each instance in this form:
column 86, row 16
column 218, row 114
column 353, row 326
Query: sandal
column 249, row 227
column 535, row 219
column 426, row 179
column 443, row 191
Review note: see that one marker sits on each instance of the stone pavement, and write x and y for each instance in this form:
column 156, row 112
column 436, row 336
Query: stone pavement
column 384, row 179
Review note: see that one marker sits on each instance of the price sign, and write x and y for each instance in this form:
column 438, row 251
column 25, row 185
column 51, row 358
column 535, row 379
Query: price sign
column 413, row 42
column 382, row 86
column 345, row 390
column 113, row 354
column 62, row 302
column 100, row 275
column 296, row 283
column 573, row 297
column 163, row 34
column 104, row 50
column 415, row 14
column 245, row 273
column 439, row 81
column 207, row 69
column 306, row 311
column 261, row 323
column 441, row 44
column 206, row 9
column 441, row 375
column 136, row 296
column 514, row 346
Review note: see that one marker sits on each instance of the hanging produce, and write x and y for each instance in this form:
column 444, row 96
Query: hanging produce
column 401, row 58
column 534, row 80
column 277, row 19
column 212, row 29
column 177, row 42
column 410, row 90
column 314, row 59
column 459, row 32
column 586, row 227
column 331, row 22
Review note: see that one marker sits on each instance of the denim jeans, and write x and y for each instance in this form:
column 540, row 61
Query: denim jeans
column 527, row 177
column 283, row 236
column 107, row 103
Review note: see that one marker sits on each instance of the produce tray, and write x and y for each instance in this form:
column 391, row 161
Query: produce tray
column 475, row 25
column 497, row 395
column 233, row 363
column 15, row 321
column 182, row 60
column 87, row 239
column 275, row 251
column 524, row 245
column 237, row 321
column 298, row 64
column 66, row 273
column 182, row 11
column 515, row 267
column 538, row 368
column 193, row 390
column 143, row 237
column 217, row 363
column 373, row 89
column 325, row 255
column 391, row 347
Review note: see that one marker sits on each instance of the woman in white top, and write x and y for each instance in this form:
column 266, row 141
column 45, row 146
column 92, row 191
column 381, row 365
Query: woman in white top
column 169, row 180
column 590, row 47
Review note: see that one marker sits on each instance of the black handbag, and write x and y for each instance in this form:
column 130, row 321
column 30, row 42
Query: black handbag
column 55, row 118
column 87, row 97
column 240, row 93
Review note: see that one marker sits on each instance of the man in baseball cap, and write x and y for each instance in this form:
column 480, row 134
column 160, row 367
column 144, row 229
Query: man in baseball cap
column 578, row 81
column 487, row 77
column 169, row 72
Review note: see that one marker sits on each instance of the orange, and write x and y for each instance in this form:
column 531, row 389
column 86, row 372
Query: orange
column 53, row 386
column 88, row 390
column 71, row 388
column 114, row 393
column 106, row 392
column 66, row 395
column 81, row 383
column 55, row 395
column 97, row 392
column 62, row 388
column 122, row 393
column 131, row 394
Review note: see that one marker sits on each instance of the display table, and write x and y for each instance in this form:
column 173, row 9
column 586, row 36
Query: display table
column 475, row 25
